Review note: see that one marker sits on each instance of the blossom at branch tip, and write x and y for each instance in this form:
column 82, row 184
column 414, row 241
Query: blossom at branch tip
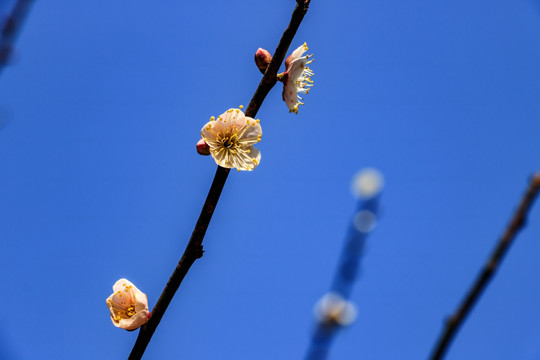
column 128, row 306
column 231, row 137
column 297, row 78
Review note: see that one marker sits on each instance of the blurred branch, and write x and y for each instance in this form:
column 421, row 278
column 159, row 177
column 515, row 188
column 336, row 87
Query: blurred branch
column 194, row 249
column 11, row 28
column 516, row 224
column 333, row 311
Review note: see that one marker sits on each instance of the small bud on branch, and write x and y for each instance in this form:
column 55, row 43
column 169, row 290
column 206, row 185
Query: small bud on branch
column 203, row 148
column 262, row 59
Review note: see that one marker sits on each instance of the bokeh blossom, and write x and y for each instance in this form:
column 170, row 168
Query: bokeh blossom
column 231, row 137
column 333, row 309
column 128, row 306
column 297, row 78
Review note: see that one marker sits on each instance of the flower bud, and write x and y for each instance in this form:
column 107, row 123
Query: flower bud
column 262, row 59
column 288, row 61
column 203, row 148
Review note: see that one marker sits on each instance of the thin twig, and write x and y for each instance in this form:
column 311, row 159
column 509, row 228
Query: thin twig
column 10, row 30
column 194, row 249
column 516, row 224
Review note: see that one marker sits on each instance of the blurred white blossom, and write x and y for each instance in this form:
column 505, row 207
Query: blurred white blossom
column 364, row 221
column 332, row 308
column 367, row 183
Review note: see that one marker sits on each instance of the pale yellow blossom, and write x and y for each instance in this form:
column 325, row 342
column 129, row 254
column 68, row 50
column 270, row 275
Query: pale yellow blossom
column 231, row 138
column 128, row 306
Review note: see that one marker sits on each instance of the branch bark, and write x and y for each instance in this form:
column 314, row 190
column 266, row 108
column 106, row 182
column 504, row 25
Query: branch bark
column 516, row 224
column 194, row 249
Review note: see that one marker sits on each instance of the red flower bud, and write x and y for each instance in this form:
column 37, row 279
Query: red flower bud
column 203, row 148
column 262, row 59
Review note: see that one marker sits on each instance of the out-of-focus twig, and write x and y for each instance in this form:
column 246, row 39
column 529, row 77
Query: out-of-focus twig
column 516, row 224
column 11, row 28
column 334, row 310
column 194, row 249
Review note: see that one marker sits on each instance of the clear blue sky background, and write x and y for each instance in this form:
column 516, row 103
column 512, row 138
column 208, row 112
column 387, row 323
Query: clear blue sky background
column 99, row 178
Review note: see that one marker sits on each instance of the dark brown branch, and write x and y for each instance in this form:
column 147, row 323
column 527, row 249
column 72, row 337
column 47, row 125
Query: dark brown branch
column 516, row 224
column 10, row 29
column 194, row 249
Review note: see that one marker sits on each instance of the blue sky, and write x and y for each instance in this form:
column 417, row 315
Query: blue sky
column 99, row 178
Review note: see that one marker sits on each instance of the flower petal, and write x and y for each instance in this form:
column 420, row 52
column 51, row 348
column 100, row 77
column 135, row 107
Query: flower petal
column 133, row 322
column 121, row 284
column 141, row 301
column 247, row 159
column 210, row 131
column 232, row 117
column 251, row 133
column 290, row 95
column 296, row 68
column 220, row 156
column 241, row 160
column 255, row 156
column 296, row 54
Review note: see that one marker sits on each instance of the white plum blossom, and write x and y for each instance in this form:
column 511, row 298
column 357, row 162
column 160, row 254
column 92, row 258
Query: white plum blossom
column 297, row 78
column 231, row 137
column 128, row 306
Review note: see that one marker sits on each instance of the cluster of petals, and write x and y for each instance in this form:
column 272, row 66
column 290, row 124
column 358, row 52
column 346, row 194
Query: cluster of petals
column 230, row 139
column 128, row 306
column 297, row 78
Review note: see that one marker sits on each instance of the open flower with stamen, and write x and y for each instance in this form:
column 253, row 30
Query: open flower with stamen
column 231, row 138
column 297, row 78
column 128, row 306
